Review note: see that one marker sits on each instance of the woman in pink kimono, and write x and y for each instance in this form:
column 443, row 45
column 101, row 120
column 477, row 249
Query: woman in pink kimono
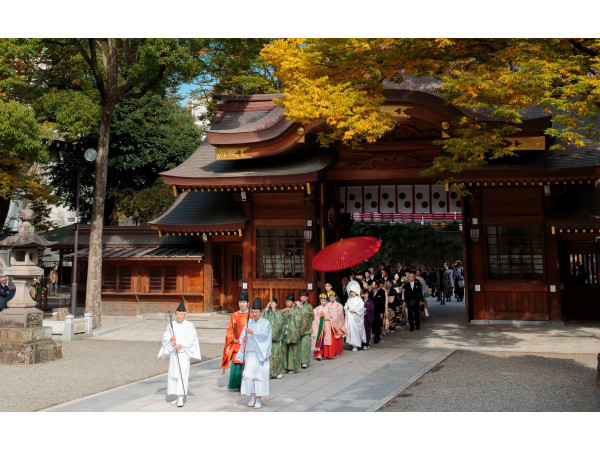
column 338, row 323
column 322, row 344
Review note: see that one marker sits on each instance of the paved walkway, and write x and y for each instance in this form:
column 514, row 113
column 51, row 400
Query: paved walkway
column 354, row 381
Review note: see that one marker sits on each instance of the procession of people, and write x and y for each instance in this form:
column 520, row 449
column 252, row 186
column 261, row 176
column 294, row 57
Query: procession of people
column 261, row 345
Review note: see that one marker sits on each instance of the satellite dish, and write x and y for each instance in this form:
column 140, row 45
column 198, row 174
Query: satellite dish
column 90, row 155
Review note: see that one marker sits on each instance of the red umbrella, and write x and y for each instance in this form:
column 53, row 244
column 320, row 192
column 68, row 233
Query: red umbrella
column 345, row 253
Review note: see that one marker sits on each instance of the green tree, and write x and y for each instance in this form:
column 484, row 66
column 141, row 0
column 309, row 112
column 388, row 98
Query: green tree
column 21, row 148
column 340, row 81
column 412, row 243
column 234, row 66
column 108, row 71
column 148, row 136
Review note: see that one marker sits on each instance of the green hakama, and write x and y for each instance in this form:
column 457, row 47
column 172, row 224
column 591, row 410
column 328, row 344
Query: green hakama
column 306, row 341
column 291, row 341
column 275, row 318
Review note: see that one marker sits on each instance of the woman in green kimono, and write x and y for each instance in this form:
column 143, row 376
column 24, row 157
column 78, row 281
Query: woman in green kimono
column 275, row 318
column 292, row 320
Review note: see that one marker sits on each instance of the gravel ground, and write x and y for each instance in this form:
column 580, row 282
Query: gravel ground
column 503, row 381
column 87, row 367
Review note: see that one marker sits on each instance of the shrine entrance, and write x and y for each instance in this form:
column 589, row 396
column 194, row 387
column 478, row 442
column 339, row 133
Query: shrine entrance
column 580, row 276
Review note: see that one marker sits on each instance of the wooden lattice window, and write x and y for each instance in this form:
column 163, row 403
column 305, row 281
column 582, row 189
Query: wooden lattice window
column 162, row 279
column 515, row 253
column 116, row 278
column 280, row 253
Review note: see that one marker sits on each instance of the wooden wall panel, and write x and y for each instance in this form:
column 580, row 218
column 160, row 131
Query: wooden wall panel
column 516, row 304
column 195, row 278
column 279, row 205
column 512, row 201
column 127, row 305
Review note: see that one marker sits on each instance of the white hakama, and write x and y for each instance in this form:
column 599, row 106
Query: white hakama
column 185, row 334
column 355, row 322
column 255, row 377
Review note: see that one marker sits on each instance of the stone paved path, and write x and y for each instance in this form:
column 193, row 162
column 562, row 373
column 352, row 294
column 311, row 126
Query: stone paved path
column 354, row 381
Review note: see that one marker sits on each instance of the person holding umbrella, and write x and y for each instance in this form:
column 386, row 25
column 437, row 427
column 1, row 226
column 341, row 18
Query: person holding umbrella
column 180, row 342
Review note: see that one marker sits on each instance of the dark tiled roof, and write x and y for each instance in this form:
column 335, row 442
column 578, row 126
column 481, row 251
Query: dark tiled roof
column 432, row 86
column 146, row 253
column 202, row 164
column 113, row 237
column 202, row 211
column 244, row 113
column 576, row 160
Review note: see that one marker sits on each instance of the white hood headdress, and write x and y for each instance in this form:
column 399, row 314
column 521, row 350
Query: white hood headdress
column 354, row 286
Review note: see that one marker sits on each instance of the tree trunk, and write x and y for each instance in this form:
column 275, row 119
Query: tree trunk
column 93, row 299
column 4, row 207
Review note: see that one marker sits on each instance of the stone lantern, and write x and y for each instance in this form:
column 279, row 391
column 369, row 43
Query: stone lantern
column 23, row 339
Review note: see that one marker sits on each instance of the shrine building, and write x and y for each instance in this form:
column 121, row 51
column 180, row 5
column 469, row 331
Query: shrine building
column 259, row 198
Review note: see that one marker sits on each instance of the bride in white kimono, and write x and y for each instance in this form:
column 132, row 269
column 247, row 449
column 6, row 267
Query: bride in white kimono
column 182, row 341
column 355, row 313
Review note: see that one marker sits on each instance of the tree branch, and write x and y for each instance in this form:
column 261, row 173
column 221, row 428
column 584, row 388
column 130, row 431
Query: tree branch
column 92, row 61
column 582, row 48
column 125, row 90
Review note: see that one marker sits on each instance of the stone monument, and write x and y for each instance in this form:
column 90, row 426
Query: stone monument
column 23, row 338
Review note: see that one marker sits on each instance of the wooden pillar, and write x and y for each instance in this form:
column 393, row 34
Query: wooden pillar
column 551, row 264
column 477, row 261
column 466, row 259
column 312, row 248
column 208, row 304
column 248, row 246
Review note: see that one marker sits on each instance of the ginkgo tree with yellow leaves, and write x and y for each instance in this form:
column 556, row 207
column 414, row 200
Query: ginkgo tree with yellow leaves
column 340, row 81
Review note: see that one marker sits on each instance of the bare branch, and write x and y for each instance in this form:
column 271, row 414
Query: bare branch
column 579, row 46
column 125, row 90
column 92, row 61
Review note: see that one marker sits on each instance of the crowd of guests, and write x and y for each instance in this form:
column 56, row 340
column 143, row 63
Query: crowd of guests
column 367, row 307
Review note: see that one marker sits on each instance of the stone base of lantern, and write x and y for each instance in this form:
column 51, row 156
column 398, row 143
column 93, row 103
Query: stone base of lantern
column 23, row 340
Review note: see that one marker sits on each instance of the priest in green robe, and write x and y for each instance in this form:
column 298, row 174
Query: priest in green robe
column 275, row 318
column 292, row 320
column 307, row 319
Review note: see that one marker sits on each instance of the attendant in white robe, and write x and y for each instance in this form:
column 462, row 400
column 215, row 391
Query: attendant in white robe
column 255, row 351
column 355, row 314
column 179, row 341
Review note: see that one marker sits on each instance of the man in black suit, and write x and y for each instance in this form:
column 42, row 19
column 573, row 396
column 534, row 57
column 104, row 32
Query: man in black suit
column 342, row 293
column 379, row 273
column 413, row 297
column 378, row 296
column 4, row 292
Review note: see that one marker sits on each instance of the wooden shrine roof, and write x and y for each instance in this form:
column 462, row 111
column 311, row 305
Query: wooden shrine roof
column 572, row 163
column 202, row 212
column 118, row 237
column 162, row 253
column 202, row 169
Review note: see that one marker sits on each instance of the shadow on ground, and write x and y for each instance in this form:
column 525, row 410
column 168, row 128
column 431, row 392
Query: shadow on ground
column 502, row 381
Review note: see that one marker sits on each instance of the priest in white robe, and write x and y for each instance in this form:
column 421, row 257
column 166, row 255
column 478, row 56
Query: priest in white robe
column 255, row 351
column 180, row 342
column 355, row 313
